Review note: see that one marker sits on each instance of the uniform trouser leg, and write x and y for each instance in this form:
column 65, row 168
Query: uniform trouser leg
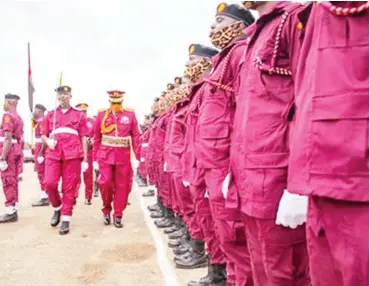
column 164, row 185
column 88, row 177
column 229, row 228
column 122, row 178
column 53, row 172
column 70, row 171
column 185, row 201
column 338, row 242
column 106, row 184
column 175, row 203
column 206, row 223
column 9, row 179
column 278, row 254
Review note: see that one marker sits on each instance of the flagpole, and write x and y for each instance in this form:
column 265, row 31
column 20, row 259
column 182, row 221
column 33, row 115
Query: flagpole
column 30, row 94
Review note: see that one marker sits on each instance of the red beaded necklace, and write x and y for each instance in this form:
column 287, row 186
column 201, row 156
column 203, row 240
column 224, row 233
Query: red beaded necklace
column 339, row 11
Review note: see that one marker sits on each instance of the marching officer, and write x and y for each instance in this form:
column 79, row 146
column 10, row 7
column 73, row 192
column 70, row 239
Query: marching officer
column 115, row 129
column 89, row 174
column 11, row 136
column 65, row 133
column 38, row 116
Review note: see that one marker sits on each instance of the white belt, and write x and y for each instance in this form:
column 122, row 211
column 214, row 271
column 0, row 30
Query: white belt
column 62, row 130
column 38, row 140
column 145, row 145
column 2, row 139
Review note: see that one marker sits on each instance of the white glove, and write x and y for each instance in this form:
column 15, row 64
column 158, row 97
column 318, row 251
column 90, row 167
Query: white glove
column 206, row 194
column 165, row 167
column 95, row 165
column 135, row 164
column 84, row 166
column 3, row 166
column 142, row 159
column 186, row 183
column 292, row 210
column 40, row 159
column 225, row 185
column 51, row 143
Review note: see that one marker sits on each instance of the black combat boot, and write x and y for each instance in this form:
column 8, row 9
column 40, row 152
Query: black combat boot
column 156, row 206
column 41, row 203
column 64, row 228
column 182, row 249
column 177, row 225
column 55, row 219
column 88, row 202
column 180, row 241
column 177, row 234
column 196, row 258
column 160, row 212
column 216, row 276
column 168, row 219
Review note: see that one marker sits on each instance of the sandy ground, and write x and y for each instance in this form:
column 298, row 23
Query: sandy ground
column 32, row 253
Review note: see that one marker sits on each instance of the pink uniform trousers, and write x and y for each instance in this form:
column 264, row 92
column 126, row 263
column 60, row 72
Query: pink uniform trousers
column 278, row 254
column 205, row 221
column 164, row 187
column 9, row 179
column 115, row 182
column 338, row 242
column 70, row 171
column 230, row 230
column 185, row 204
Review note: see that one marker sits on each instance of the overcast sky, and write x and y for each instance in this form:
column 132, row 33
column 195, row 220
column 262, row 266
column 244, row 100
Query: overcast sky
column 136, row 46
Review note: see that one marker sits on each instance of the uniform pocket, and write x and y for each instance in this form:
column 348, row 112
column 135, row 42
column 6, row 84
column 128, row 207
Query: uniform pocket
column 339, row 135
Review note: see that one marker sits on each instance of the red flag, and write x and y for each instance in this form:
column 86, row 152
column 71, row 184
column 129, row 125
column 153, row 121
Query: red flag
column 31, row 88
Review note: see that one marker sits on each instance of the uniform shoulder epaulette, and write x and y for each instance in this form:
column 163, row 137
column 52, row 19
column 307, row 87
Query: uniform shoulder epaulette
column 127, row 109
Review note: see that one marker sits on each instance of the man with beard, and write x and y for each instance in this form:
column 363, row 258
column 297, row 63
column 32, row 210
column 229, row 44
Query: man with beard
column 88, row 175
column 260, row 147
column 214, row 125
column 329, row 159
column 65, row 133
column 115, row 130
column 11, row 136
column 38, row 116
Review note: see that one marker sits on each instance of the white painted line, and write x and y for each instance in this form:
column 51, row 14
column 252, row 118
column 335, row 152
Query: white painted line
column 167, row 270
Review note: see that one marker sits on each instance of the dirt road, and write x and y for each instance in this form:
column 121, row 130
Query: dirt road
column 34, row 254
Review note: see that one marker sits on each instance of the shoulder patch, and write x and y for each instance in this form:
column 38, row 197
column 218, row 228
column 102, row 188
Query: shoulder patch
column 7, row 118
